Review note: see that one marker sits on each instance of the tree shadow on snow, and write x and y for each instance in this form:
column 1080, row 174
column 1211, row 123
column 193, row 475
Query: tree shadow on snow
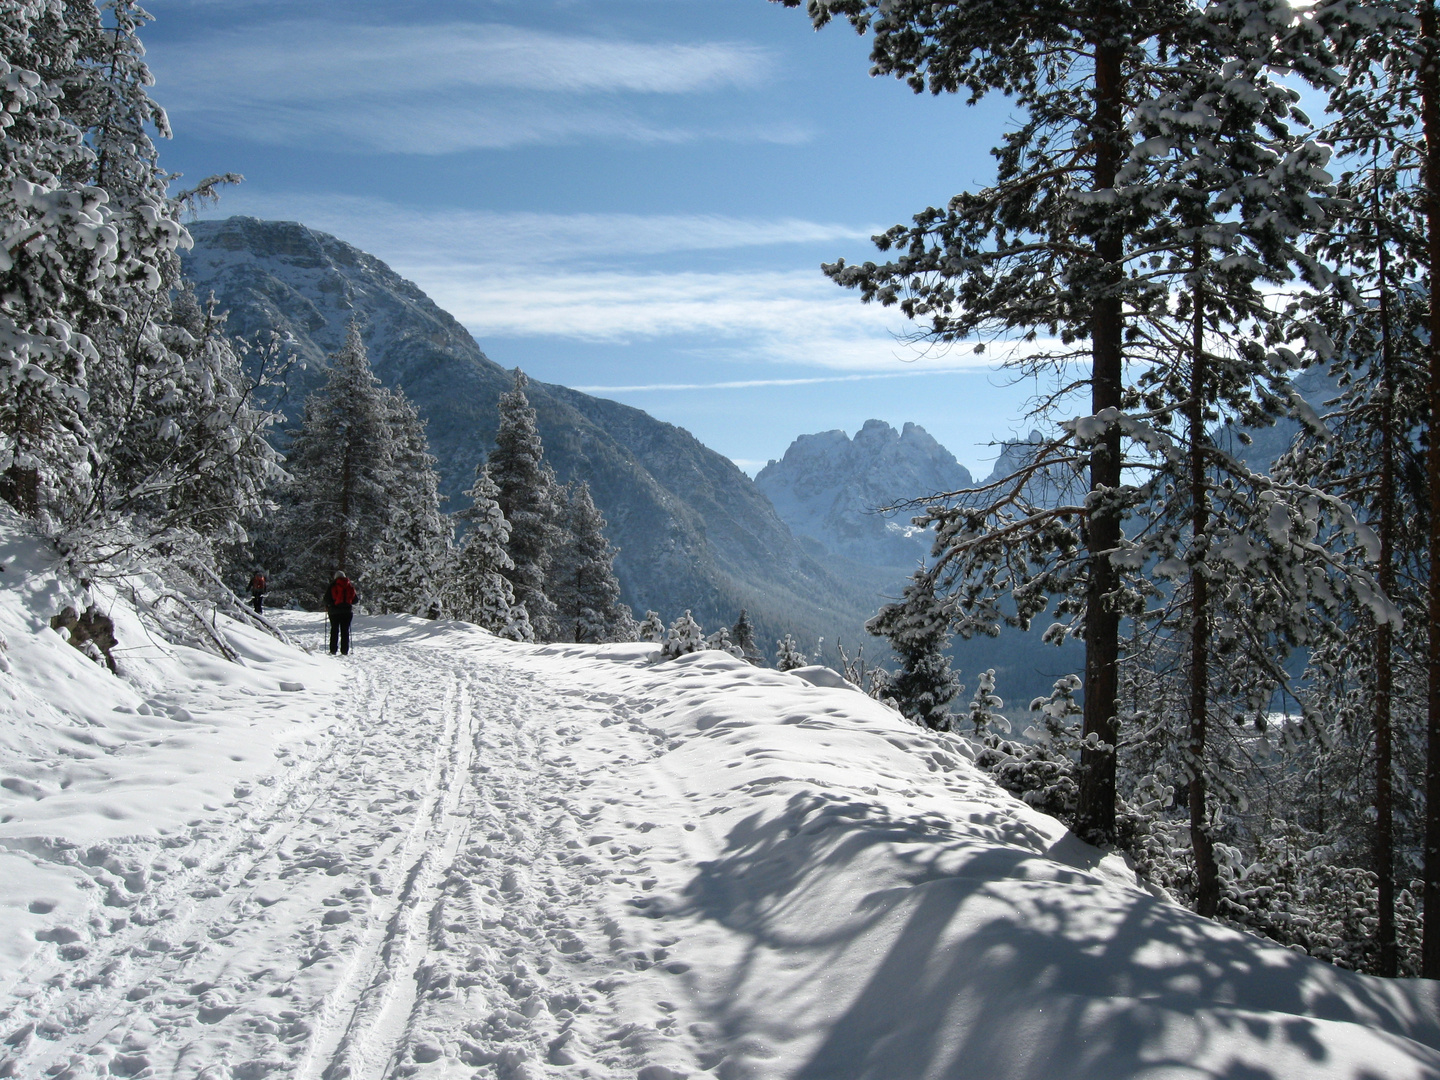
column 1000, row 961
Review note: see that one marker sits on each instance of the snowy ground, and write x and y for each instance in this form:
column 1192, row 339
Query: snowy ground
column 451, row 856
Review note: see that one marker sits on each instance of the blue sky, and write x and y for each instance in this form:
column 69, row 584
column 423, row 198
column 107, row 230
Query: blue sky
column 631, row 197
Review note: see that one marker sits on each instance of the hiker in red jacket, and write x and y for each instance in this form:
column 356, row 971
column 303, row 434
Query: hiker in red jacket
column 340, row 604
column 257, row 591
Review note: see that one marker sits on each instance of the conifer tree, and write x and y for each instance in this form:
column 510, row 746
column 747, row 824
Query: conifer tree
column 684, row 636
column 1086, row 206
column 338, row 506
column 917, row 627
column 582, row 580
column 480, row 591
column 652, row 628
column 414, row 554
column 525, row 492
column 743, row 635
column 982, row 714
column 46, row 197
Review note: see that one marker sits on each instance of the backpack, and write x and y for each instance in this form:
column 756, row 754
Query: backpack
column 257, row 583
column 342, row 592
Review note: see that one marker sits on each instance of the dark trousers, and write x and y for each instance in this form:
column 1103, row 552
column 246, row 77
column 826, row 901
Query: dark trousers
column 340, row 629
column 258, row 602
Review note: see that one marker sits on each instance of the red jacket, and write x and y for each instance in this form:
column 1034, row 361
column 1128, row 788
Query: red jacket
column 342, row 592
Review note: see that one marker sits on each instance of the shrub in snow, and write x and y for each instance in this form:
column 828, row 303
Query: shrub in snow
column 684, row 636
column 720, row 641
column 652, row 628
column 1042, row 773
column 983, row 705
column 788, row 656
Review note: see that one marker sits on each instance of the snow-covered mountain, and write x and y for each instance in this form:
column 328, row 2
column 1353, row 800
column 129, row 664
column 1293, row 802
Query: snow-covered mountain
column 449, row 855
column 829, row 487
column 692, row 529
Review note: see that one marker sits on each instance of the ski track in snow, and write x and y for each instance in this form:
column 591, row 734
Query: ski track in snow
column 422, row 868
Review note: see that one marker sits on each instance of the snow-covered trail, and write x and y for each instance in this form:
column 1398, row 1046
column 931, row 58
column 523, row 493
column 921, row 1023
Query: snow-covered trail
column 453, row 856
column 423, row 867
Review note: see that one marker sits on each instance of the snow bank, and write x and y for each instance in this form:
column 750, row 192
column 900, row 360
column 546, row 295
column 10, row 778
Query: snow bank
column 88, row 759
column 851, row 899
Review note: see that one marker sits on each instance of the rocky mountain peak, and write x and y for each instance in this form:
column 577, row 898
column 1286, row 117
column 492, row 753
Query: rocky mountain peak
column 828, row 487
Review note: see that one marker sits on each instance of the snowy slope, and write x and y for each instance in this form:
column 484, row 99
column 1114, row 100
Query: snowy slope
column 453, row 856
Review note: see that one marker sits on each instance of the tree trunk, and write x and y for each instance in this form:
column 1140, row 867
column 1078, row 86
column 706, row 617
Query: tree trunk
column 1095, row 812
column 1430, row 117
column 1207, row 874
column 1384, row 639
column 347, row 481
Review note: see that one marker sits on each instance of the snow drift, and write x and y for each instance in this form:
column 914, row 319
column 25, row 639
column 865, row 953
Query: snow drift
column 451, row 855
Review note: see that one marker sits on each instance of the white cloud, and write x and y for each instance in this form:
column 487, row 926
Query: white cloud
column 593, row 278
column 478, row 237
column 751, row 384
column 443, row 88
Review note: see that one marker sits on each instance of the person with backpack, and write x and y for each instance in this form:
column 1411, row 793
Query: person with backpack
column 257, row 590
column 340, row 605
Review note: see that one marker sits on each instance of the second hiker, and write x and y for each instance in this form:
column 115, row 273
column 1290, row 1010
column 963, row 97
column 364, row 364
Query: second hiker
column 340, row 604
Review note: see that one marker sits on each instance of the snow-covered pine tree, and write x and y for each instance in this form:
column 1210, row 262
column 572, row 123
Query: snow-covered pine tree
column 581, row 578
column 172, row 441
column 743, row 635
column 982, row 714
column 684, row 636
column 720, row 642
column 917, row 628
column 1061, row 243
column 525, row 491
column 652, row 628
column 337, row 508
column 1385, row 120
column 479, row 591
column 410, row 568
column 47, row 281
column 788, row 656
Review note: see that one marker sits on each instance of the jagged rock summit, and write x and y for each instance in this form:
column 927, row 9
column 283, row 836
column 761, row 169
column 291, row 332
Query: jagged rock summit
column 692, row 529
column 828, row 487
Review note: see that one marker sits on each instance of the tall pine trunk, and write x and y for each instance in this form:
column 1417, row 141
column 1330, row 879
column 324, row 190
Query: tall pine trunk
column 1430, row 118
column 1095, row 810
column 1207, row 874
column 1384, row 636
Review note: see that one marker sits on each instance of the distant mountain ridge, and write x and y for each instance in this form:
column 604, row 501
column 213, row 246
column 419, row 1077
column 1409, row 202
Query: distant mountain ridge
column 693, row 530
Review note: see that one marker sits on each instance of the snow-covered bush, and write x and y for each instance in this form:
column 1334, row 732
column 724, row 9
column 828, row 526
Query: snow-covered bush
column 720, row 641
column 1044, row 772
column 788, row 656
column 651, row 628
column 982, row 712
column 684, row 636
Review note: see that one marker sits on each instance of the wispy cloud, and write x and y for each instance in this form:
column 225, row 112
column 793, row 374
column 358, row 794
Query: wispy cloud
column 477, row 237
column 595, row 279
column 751, row 384
column 440, row 88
